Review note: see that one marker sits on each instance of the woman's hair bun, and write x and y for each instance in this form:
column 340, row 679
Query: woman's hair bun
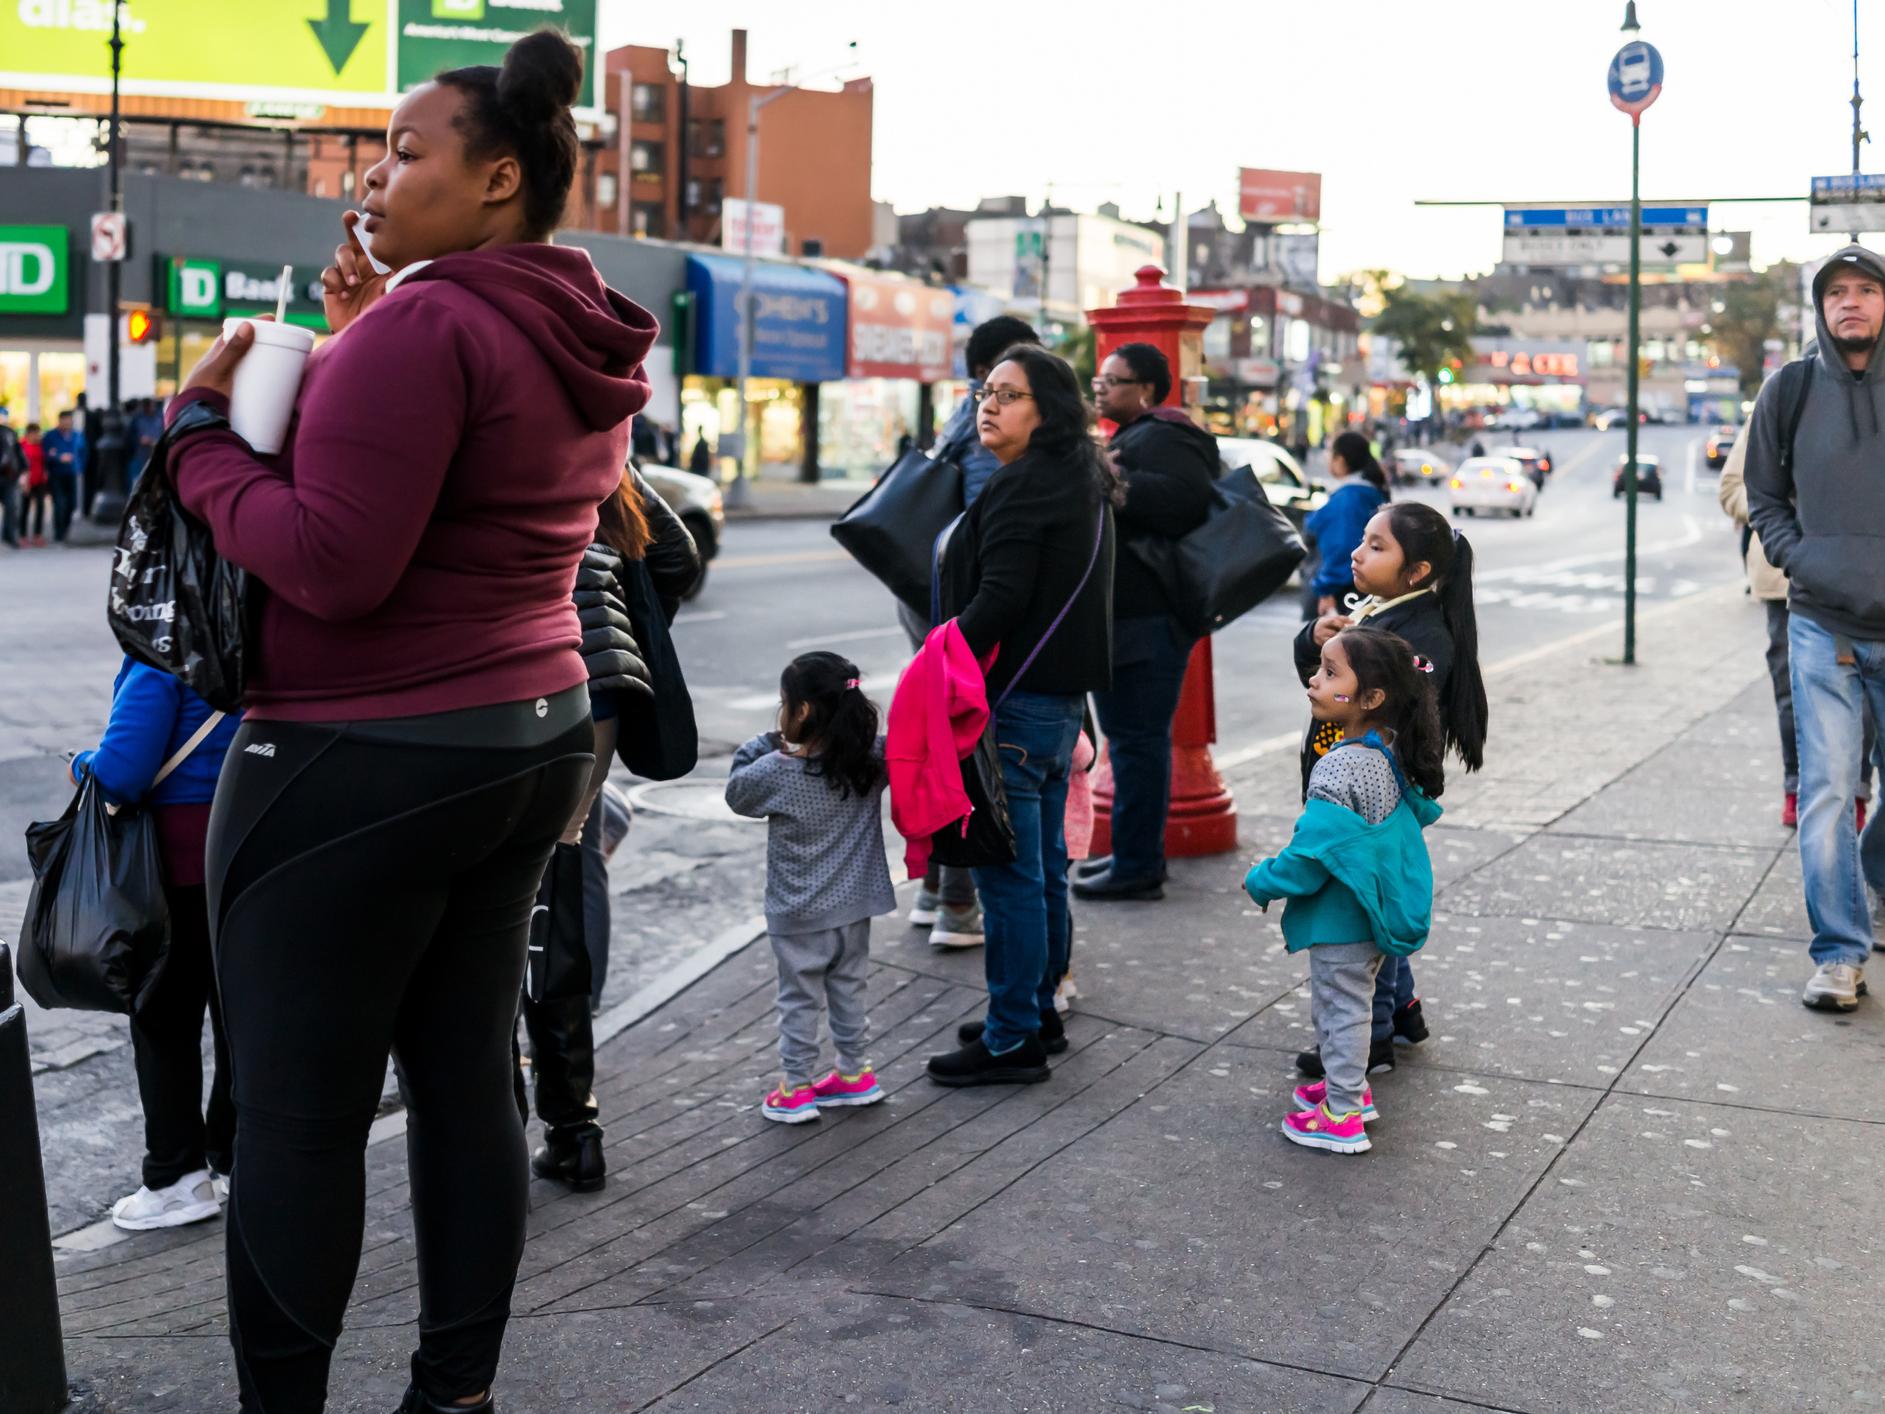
column 542, row 75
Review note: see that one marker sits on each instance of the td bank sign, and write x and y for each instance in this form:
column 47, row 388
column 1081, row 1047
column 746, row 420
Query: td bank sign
column 213, row 289
column 34, row 270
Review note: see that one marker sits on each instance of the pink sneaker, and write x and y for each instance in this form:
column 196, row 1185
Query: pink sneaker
column 836, row 1091
column 1309, row 1096
column 791, row 1106
column 1318, row 1129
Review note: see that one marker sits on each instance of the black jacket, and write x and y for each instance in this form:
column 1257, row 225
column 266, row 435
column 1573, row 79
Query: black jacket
column 1169, row 464
column 609, row 649
column 1014, row 561
column 672, row 558
column 1420, row 621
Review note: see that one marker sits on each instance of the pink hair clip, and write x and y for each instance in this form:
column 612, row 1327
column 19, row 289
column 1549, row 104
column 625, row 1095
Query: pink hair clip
column 1422, row 665
column 853, row 682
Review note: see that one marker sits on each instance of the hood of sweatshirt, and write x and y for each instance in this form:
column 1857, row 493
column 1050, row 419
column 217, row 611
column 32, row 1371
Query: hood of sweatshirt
column 1861, row 412
column 1180, row 420
column 594, row 338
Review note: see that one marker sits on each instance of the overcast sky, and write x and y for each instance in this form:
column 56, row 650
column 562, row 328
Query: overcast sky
column 1391, row 100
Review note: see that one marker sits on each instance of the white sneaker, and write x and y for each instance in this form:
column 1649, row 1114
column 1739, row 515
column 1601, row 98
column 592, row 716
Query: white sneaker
column 923, row 911
column 220, row 1182
column 1834, row 986
column 958, row 929
column 1064, row 995
column 190, row 1199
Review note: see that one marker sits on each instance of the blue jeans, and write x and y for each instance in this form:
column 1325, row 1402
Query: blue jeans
column 1829, row 699
column 1149, row 661
column 1025, row 921
column 1393, row 989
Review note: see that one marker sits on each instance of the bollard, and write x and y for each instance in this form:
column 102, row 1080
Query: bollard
column 32, row 1352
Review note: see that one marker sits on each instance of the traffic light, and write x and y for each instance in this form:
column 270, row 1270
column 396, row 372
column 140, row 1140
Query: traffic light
column 140, row 326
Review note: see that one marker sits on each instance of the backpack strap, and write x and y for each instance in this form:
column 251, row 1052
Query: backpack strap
column 1099, row 536
column 1795, row 380
column 183, row 753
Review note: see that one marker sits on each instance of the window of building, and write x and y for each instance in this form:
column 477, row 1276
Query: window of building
column 648, row 103
column 646, row 158
column 605, row 189
column 704, row 195
column 707, row 137
column 647, row 219
column 1217, row 340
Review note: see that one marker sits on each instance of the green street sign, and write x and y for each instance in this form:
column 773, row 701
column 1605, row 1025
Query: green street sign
column 34, row 270
column 449, row 34
column 215, row 289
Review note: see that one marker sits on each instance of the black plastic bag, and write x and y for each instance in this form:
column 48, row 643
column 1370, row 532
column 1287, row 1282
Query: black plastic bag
column 657, row 739
column 1244, row 552
column 97, row 925
column 891, row 529
column 175, row 603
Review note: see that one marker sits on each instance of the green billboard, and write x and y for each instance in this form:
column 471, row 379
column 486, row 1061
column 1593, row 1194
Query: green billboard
column 214, row 289
column 35, row 270
column 449, row 34
column 356, row 53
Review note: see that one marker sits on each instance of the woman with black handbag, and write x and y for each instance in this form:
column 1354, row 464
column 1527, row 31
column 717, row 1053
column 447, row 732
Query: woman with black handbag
column 1028, row 575
column 418, row 723
column 641, row 546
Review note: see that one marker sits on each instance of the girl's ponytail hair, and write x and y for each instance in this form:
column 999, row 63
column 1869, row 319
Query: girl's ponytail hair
column 1354, row 450
column 1424, row 534
column 842, row 719
column 1387, row 661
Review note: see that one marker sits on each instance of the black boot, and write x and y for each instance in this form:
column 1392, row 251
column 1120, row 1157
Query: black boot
column 1053, row 1032
column 1380, row 1059
column 1409, row 1024
column 416, row 1402
column 1105, row 886
column 573, row 1158
column 1026, row 1064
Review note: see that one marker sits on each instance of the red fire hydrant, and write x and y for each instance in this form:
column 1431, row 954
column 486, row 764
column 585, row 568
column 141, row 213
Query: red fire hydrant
column 1202, row 818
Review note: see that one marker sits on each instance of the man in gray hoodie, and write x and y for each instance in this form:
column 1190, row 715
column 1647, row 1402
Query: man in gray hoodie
column 1821, row 520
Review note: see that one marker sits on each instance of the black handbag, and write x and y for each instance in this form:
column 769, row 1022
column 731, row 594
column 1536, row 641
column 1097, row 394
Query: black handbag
column 175, row 603
column 1244, row 552
column 658, row 739
column 891, row 529
column 985, row 836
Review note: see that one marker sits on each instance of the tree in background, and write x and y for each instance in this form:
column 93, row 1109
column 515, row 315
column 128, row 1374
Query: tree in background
column 1749, row 315
column 1433, row 330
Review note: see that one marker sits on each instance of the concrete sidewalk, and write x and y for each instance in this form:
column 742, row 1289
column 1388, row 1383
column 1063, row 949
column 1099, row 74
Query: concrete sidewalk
column 1617, row 1177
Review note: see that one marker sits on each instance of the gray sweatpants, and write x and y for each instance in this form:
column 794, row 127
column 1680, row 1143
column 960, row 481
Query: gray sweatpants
column 828, row 966
column 1341, row 1002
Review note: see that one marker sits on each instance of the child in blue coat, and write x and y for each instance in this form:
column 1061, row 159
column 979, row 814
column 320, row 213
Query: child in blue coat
column 1355, row 873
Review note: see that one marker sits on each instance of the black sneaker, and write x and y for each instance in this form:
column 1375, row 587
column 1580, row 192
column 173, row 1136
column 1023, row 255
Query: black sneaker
column 415, row 1402
column 1053, row 1032
column 1380, row 1059
column 1026, row 1064
column 574, row 1160
column 1409, row 1024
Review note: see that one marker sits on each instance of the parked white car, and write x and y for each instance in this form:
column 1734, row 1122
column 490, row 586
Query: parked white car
column 1496, row 484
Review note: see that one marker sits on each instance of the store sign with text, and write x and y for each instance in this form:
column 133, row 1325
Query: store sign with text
column 899, row 329
column 215, row 289
column 35, row 270
column 1266, row 196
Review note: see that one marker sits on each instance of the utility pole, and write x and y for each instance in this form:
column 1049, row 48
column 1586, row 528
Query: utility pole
column 681, row 148
column 107, row 438
column 1858, row 129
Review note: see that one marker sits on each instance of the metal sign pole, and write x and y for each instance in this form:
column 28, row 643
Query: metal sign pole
column 1629, row 475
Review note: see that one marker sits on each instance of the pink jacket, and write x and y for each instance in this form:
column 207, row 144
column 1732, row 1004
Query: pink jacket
column 1080, row 801
column 936, row 717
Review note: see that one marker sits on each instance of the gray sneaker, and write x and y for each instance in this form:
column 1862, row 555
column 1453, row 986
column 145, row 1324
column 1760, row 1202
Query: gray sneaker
column 958, row 928
column 1878, row 920
column 923, row 911
column 1834, row 986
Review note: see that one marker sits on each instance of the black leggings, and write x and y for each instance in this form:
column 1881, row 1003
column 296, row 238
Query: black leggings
column 372, row 886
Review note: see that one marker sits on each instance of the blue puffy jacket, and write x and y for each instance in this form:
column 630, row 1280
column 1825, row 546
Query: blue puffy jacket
column 152, row 716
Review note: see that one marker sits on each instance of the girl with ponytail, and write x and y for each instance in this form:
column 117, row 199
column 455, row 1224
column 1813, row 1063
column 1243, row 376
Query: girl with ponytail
column 1416, row 573
column 1362, row 490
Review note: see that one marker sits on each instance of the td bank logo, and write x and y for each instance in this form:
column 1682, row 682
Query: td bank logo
column 196, row 288
column 457, row 9
column 33, row 276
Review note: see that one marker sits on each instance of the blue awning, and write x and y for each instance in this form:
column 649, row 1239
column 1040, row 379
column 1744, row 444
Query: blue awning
column 798, row 319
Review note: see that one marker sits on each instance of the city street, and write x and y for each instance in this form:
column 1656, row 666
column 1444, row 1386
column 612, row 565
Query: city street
column 688, row 881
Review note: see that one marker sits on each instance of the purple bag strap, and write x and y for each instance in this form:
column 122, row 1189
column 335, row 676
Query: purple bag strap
column 1099, row 535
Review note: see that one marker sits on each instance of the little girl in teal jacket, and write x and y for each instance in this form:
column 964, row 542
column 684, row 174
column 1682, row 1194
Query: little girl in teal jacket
column 1355, row 875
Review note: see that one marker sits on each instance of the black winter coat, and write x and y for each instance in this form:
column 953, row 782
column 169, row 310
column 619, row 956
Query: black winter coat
column 1169, row 463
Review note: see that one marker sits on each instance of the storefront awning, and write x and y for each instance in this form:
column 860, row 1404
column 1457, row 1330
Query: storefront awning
column 798, row 320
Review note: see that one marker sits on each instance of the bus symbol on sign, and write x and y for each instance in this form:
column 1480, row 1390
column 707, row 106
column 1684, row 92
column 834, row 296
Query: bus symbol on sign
column 1635, row 77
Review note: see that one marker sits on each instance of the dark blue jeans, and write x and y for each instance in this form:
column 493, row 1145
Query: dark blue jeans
column 1393, row 989
column 1149, row 657
column 1024, row 905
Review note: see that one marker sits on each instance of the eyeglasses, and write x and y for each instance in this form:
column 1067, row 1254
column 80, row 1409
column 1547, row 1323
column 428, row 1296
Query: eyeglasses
column 1110, row 382
column 1004, row 397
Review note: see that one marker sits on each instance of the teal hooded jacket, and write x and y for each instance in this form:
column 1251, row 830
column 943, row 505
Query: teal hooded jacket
column 1347, row 881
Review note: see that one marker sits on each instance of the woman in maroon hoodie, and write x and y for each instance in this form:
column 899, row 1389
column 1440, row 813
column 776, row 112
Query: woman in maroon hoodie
column 417, row 729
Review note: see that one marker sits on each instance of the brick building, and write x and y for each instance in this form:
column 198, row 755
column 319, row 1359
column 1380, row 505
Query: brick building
column 680, row 150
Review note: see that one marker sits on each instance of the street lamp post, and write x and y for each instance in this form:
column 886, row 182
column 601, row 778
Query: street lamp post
column 108, row 438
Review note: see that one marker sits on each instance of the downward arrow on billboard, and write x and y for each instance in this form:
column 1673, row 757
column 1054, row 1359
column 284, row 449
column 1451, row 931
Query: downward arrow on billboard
column 1669, row 249
column 338, row 34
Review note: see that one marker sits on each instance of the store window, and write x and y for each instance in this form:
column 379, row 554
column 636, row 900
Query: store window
column 1217, row 341
column 646, row 158
column 648, row 103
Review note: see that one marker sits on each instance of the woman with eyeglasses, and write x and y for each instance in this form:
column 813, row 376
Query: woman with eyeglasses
column 1028, row 575
column 1168, row 463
